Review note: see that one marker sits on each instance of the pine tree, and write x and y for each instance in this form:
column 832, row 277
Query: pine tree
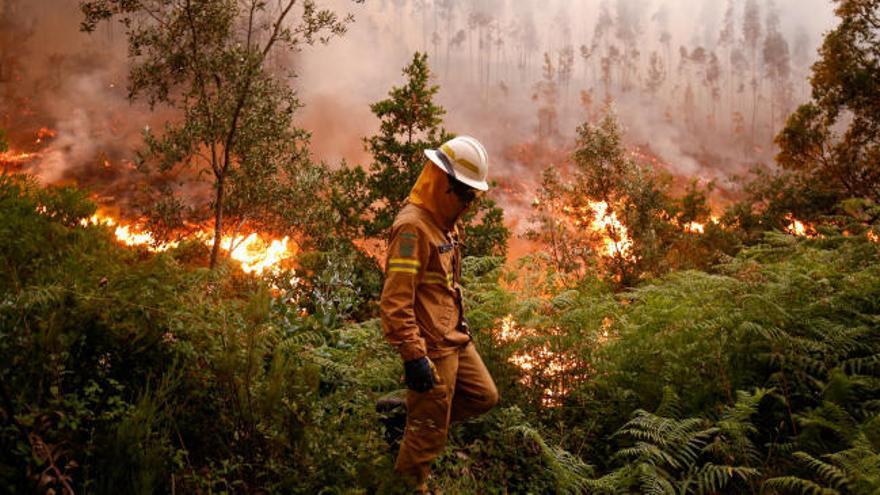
column 411, row 122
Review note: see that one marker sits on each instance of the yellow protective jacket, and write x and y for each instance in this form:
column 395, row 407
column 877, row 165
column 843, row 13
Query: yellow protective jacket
column 421, row 300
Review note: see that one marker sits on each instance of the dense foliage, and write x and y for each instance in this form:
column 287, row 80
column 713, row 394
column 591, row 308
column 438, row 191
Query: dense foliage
column 134, row 371
column 616, row 218
column 409, row 123
column 209, row 61
column 836, row 136
column 740, row 360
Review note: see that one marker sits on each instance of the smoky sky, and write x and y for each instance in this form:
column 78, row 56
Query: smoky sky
column 714, row 110
column 360, row 68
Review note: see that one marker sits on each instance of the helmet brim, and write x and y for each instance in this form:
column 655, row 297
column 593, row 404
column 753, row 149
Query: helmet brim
column 479, row 185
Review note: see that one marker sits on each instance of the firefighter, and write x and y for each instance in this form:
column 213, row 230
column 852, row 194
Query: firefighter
column 422, row 311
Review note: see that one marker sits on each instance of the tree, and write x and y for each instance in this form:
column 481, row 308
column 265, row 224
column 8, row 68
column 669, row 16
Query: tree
column 835, row 138
column 569, row 249
column 411, row 122
column 209, row 61
column 3, row 144
column 656, row 74
column 777, row 66
column 633, row 198
column 616, row 218
column 726, row 40
column 751, row 35
column 547, row 96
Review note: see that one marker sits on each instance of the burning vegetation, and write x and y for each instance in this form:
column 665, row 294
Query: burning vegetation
column 256, row 253
column 659, row 325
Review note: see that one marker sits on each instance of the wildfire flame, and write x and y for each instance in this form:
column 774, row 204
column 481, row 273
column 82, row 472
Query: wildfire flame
column 798, row 228
column 598, row 218
column 694, row 228
column 558, row 368
column 256, row 253
column 14, row 157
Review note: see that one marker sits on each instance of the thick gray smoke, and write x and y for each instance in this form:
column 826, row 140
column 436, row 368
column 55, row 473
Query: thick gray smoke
column 702, row 84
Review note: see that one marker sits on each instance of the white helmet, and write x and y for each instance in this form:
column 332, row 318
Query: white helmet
column 465, row 159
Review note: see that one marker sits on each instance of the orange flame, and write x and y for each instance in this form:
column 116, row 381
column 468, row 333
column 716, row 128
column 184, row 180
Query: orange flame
column 256, row 253
column 557, row 367
column 694, row 228
column 13, row 157
column 798, row 228
column 44, row 133
column 598, row 218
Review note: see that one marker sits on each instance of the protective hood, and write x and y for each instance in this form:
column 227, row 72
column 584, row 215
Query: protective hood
column 429, row 192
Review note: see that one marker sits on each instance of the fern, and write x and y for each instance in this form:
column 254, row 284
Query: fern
column 570, row 473
column 855, row 470
column 793, row 484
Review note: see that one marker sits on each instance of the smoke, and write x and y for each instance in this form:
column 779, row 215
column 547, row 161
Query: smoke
column 487, row 57
column 678, row 123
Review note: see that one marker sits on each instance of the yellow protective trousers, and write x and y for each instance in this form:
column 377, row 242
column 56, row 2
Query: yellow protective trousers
column 464, row 390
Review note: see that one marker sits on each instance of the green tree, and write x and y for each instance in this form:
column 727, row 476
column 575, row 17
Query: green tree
column 633, row 194
column 617, row 218
column 835, row 138
column 484, row 230
column 569, row 250
column 411, row 122
column 209, row 61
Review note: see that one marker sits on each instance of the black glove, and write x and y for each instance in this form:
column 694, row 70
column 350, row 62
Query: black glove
column 419, row 374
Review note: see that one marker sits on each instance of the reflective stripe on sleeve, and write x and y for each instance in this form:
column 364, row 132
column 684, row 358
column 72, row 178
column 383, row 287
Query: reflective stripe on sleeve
column 403, row 265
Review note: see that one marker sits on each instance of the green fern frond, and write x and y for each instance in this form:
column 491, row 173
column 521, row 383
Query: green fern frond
column 800, row 486
column 651, row 482
column 828, row 473
column 571, row 473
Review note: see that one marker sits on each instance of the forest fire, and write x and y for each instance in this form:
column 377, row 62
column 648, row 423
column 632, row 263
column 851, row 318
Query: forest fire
column 552, row 367
column 256, row 253
column 694, row 228
column 798, row 228
column 597, row 217
column 16, row 157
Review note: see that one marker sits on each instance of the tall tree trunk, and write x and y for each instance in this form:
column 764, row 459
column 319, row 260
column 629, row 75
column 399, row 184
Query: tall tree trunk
column 218, row 222
column 754, row 97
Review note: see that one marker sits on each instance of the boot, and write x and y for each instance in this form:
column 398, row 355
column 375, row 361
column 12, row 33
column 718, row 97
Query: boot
column 392, row 414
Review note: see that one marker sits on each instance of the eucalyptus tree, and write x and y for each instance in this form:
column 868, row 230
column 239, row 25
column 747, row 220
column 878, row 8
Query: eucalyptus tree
column 835, row 138
column 751, row 35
